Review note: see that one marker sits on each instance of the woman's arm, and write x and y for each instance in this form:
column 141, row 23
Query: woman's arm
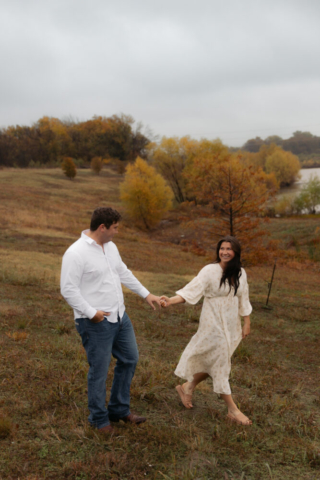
column 166, row 301
column 246, row 326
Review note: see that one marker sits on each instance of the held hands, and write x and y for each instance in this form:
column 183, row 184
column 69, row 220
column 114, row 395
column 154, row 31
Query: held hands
column 99, row 316
column 164, row 301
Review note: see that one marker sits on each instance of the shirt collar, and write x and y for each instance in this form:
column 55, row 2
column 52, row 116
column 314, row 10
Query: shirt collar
column 85, row 237
column 90, row 240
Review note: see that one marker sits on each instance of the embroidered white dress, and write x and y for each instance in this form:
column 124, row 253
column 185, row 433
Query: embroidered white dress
column 219, row 332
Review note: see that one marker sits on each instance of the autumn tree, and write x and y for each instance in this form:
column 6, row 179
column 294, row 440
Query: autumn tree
column 145, row 194
column 139, row 142
column 253, row 145
column 235, row 195
column 259, row 158
column 53, row 139
column 170, row 159
column 174, row 156
column 69, row 168
column 302, row 143
column 273, row 159
column 96, row 165
column 273, row 139
column 108, row 136
column 284, row 165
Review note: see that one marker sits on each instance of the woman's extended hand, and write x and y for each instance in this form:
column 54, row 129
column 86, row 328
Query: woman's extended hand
column 245, row 330
column 164, row 301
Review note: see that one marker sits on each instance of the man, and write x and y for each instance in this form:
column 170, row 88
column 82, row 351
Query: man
column 91, row 276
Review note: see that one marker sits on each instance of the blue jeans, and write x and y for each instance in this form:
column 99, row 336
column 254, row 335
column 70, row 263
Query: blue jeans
column 100, row 340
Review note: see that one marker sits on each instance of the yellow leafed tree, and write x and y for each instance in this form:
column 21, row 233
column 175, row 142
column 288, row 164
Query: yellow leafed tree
column 273, row 159
column 173, row 158
column 145, row 194
column 284, row 165
column 170, row 158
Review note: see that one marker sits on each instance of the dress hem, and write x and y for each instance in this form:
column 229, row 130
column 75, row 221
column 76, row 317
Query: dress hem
column 188, row 380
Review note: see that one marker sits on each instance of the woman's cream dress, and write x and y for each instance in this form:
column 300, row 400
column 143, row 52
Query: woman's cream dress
column 219, row 332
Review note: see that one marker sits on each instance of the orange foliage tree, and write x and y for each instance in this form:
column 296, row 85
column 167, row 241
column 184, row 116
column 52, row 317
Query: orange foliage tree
column 173, row 157
column 170, row 159
column 145, row 194
column 234, row 194
column 273, row 159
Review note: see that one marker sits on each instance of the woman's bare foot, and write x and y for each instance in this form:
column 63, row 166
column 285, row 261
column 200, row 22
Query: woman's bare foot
column 185, row 394
column 238, row 417
column 188, row 388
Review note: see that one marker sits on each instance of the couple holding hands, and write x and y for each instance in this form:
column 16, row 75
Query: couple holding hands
column 91, row 277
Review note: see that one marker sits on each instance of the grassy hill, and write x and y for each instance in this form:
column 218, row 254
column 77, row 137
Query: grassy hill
column 43, row 404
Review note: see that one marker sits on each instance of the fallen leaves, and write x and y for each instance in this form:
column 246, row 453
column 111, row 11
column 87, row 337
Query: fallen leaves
column 18, row 336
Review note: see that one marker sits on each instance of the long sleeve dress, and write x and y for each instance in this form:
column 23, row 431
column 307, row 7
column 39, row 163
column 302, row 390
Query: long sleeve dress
column 219, row 333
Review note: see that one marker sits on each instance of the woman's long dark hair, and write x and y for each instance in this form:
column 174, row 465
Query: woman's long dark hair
column 232, row 272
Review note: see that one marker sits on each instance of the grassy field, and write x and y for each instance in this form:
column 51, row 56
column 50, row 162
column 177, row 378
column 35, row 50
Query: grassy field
column 43, row 404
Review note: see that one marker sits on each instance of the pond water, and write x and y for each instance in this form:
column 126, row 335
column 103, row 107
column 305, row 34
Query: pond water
column 293, row 190
column 306, row 174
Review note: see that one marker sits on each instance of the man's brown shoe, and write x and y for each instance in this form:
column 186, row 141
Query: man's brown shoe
column 132, row 418
column 107, row 430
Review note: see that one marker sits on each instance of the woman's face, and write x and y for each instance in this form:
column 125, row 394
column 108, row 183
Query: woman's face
column 226, row 253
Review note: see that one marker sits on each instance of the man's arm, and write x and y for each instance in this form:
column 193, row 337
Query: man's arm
column 130, row 281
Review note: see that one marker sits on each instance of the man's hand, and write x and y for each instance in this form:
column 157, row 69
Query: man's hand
column 99, row 316
column 151, row 299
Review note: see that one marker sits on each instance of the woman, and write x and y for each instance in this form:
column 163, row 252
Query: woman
column 225, row 289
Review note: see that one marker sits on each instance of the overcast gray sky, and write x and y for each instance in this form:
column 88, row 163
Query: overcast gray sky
column 233, row 69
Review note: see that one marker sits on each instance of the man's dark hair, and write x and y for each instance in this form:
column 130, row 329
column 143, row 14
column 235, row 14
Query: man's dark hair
column 104, row 215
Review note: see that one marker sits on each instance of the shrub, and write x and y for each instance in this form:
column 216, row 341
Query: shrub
column 96, row 165
column 69, row 168
column 309, row 197
column 284, row 206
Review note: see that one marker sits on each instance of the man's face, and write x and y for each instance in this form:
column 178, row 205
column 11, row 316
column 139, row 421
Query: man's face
column 109, row 233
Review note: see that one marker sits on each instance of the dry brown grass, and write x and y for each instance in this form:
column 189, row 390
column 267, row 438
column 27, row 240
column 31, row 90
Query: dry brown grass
column 43, row 405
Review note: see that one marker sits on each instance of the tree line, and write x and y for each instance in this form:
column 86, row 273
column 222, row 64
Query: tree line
column 49, row 140
column 304, row 144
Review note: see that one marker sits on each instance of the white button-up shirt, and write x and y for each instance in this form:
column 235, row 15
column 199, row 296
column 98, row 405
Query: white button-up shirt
column 91, row 279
